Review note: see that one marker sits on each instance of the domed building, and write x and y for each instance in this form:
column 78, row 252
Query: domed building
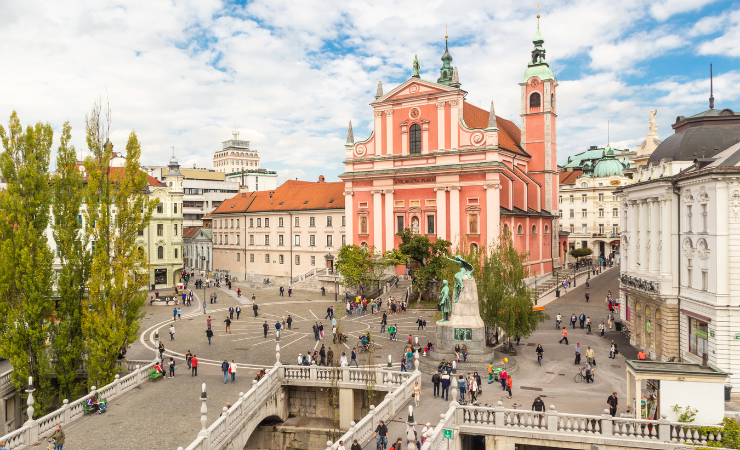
column 679, row 289
column 588, row 208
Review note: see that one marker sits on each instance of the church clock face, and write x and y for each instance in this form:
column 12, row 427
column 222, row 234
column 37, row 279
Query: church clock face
column 414, row 113
column 535, row 82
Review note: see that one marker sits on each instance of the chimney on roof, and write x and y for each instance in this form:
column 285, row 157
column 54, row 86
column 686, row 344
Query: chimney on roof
column 244, row 194
column 321, row 179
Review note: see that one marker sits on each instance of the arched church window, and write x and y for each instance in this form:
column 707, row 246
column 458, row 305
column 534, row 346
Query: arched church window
column 535, row 100
column 415, row 138
column 534, row 229
column 519, row 230
column 584, row 185
column 506, row 229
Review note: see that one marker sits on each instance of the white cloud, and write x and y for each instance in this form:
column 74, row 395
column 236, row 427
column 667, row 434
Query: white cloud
column 293, row 74
column 663, row 10
column 727, row 43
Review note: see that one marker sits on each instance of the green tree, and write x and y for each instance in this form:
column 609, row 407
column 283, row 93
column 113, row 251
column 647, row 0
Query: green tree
column 362, row 265
column 27, row 276
column 429, row 257
column 578, row 253
column 71, row 242
column 504, row 298
column 117, row 208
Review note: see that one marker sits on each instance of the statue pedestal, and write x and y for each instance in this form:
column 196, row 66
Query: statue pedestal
column 464, row 327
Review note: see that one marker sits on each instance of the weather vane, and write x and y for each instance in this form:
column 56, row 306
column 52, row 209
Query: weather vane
column 445, row 31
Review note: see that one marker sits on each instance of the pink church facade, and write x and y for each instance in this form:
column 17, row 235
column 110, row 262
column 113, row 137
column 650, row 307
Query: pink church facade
column 447, row 169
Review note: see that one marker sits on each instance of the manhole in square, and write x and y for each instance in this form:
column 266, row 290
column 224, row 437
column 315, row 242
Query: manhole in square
column 296, row 328
column 562, row 374
column 190, row 319
column 531, row 388
column 616, row 367
column 241, row 349
column 531, row 344
column 378, row 356
column 551, row 373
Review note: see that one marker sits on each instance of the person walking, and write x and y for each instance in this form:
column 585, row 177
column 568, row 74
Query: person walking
column 610, row 320
column 282, row 289
column 613, row 403
column 174, row 314
column 321, row 330
column 238, row 311
column 573, row 321
column 436, row 380
column 602, row 328
column 354, row 358
column 565, row 337
column 490, row 372
column 188, row 357
column 322, row 355
column 587, row 296
column 582, row 320
column 613, row 352
column 290, row 291
column 231, row 312
column 232, row 370
column 172, row 332
column 265, row 327
column 445, row 385
column 578, row 353
column 289, row 321
column 278, row 326
column 254, row 307
column 403, row 364
column 194, row 366
column 225, row 369
column 417, row 393
column 328, row 313
column 315, row 331
column 589, row 373
column 161, row 350
column 58, row 437
column 209, row 335
column 465, row 353
column 590, row 355
column 509, row 385
column 179, row 314
column 172, row 367
column 383, row 323
column 204, row 307
column 228, row 325
column 343, row 360
column 419, row 323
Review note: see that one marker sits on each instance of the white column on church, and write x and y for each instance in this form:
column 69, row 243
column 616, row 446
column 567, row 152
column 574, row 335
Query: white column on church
column 454, row 124
column 643, row 217
column 441, row 212
column 389, row 131
column 634, row 235
column 454, row 215
column 377, row 219
column 654, row 237
column 666, row 249
column 440, row 126
column 390, row 221
column 378, row 133
column 493, row 211
column 349, row 216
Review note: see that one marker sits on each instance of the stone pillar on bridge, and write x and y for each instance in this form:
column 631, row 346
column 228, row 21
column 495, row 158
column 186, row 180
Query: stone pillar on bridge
column 346, row 407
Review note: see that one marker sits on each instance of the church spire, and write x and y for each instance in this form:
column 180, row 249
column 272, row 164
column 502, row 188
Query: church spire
column 538, row 66
column 350, row 134
column 446, row 71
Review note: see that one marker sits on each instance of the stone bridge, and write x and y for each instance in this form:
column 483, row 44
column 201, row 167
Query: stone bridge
column 267, row 398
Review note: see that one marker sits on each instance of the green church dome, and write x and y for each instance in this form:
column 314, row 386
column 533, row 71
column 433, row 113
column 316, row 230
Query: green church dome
column 608, row 165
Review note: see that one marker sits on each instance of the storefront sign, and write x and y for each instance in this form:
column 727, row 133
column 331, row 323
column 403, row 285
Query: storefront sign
column 737, row 335
column 643, row 285
column 711, row 333
column 463, row 334
column 415, row 180
column 701, row 334
column 614, row 182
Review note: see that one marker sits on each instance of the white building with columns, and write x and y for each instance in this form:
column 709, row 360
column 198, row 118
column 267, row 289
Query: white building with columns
column 680, row 282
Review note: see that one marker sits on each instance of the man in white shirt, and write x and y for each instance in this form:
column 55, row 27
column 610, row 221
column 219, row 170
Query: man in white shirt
column 300, row 359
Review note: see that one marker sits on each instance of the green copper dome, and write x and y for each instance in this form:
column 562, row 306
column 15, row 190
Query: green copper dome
column 608, row 166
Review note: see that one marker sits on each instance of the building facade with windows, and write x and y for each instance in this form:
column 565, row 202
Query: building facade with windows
column 235, row 155
column 282, row 233
column 163, row 238
column 445, row 168
column 254, row 179
column 679, row 291
column 203, row 191
column 587, row 204
column 198, row 248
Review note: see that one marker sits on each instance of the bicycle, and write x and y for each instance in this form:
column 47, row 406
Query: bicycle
column 381, row 442
column 370, row 346
column 582, row 376
column 52, row 443
column 539, row 358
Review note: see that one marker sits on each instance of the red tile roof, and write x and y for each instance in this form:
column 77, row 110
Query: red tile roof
column 292, row 195
column 570, row 177
column 509, row 135
column 189, row 232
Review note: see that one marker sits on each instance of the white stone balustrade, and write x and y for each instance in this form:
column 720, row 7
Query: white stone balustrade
column 34, row 431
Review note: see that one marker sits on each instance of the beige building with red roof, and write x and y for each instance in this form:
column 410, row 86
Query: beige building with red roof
column 281, row 233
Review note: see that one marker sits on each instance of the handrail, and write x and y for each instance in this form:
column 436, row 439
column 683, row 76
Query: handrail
column 33, row 430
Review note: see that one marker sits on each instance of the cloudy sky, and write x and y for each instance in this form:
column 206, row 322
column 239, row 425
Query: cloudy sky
column 291, row 74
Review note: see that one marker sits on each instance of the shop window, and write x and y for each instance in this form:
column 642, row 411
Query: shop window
column 698, row 337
